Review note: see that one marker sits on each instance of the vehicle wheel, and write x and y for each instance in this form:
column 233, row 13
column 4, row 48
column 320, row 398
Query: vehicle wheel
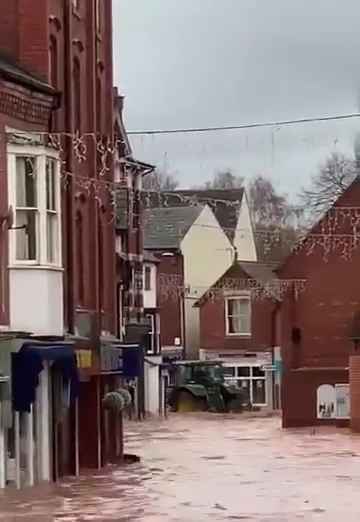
column 186, row 402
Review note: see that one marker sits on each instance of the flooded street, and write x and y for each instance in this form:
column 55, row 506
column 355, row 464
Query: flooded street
column 210, row 468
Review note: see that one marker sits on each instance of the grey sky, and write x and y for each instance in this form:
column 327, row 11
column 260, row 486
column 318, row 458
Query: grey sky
column 223, row 62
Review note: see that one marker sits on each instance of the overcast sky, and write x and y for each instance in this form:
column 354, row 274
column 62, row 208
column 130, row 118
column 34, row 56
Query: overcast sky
column 195, row 63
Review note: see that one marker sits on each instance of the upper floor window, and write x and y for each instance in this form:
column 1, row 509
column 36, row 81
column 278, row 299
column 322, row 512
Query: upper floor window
column 34, row 194
column 147, row 278
column 238, row 315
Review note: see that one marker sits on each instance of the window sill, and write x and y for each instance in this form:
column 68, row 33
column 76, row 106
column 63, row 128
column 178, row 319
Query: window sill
column 35, row 266
column 239, row 335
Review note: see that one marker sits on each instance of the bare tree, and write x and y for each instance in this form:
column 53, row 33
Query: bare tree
column 160, row 181
column 276, row 222
column 333, row 178
column 268, row 208
column 225, row 180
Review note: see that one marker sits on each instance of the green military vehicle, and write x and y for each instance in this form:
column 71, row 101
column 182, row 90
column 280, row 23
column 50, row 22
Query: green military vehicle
column 200, row 386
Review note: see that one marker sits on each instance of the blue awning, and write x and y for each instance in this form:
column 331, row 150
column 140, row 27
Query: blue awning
column 27, row 365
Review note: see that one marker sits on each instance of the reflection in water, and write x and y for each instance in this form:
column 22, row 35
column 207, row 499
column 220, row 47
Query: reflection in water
column 208, row 467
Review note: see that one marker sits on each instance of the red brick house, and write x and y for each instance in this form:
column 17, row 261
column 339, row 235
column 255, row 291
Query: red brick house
column 57, row 77
column 238, row 322
column 316, row 324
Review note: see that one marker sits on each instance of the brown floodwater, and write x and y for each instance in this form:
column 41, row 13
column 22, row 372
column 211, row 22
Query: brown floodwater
column 209, row 467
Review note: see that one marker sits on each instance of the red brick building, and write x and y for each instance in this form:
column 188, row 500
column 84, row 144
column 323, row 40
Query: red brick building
column 57, row 77
column 129, row 174
column 240, row 329
column 317, row 324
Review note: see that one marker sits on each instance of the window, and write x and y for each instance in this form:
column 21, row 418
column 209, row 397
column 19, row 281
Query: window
column 238, row 315
column 34, row 193
column 151, row 322
column 76, row 5
column 52, row 218
column 147, row 283
column 26, row 209
column 252, row 381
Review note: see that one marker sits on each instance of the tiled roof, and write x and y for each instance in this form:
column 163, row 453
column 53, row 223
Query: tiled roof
column 222, row 202
column 259, row 271
column 166, row 227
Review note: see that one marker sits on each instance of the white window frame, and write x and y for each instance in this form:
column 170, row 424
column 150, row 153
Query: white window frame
column 234, row 297
column 148, row 268
column 251, row 378
column 152, row 333
column 40, row 154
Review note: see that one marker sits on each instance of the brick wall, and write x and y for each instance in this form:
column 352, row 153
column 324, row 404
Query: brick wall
column 170, row 303
column 322, row 315
column 299, row 395
column 354, row 379
column 213, row 327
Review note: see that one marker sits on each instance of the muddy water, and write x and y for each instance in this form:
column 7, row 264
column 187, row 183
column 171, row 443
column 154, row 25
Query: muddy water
column 210, row 468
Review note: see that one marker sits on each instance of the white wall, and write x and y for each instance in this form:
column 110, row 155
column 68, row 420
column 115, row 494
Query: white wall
column 150, row 300
column 207, row 253
column 152, row 384
column 244, row 236
column 36, row 300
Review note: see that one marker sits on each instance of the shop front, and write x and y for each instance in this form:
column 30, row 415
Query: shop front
column 100, row 425
column 253, row 372
column 44, row 386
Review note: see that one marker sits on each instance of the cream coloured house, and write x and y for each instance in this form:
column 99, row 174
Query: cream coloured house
column 206, row 247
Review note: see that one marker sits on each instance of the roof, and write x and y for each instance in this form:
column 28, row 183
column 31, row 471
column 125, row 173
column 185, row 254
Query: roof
column 150, row 258
column 165, row 228
column 259, row 272
column 222, row 202
column 316, row 228
column 13, row 72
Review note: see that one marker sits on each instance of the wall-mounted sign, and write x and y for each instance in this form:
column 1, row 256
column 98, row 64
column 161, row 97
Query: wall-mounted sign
column 342, row 393
column 84, row 359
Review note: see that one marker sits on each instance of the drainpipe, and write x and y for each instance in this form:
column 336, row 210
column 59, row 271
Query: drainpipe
column 68, row 104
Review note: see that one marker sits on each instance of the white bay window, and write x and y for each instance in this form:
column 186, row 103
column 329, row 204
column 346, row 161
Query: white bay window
column 34, row 194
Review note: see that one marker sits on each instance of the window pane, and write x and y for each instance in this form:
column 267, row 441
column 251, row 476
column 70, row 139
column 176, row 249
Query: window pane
column 26, row 182
column 243, row 371
column 50, row 184
column 244, row 324
column 229, row 371
column 245, row 388
column 244, row 306
column 233, row 307
column 147, row 278
column 258, row 372
column 52, row 237
column 258, row 388
column 234, row 325
column 26, row 238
